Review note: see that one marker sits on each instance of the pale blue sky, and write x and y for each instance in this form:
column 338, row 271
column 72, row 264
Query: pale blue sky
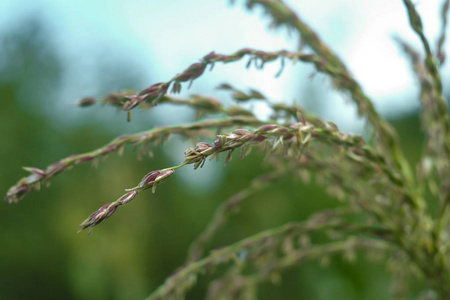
column 164, row 37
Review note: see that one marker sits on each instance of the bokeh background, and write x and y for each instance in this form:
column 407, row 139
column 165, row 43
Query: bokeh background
column 56, row 52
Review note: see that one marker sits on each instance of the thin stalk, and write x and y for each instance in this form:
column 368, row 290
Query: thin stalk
column 38, row 176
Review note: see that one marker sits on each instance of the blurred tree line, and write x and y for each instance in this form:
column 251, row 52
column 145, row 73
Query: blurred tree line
column 42, row 257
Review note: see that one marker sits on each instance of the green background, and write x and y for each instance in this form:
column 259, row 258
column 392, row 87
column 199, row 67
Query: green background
column 129, row 255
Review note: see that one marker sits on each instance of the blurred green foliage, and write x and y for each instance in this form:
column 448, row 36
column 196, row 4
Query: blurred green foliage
column 42, row 257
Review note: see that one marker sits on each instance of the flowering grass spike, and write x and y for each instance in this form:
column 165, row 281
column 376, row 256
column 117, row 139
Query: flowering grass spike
column 383, row 209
